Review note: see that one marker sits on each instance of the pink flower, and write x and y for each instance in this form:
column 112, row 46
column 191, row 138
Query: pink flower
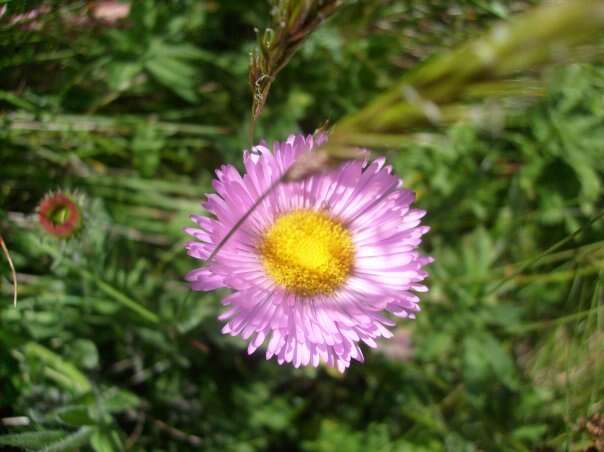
column 110, row 10
column 400, row 347
column 319, row 264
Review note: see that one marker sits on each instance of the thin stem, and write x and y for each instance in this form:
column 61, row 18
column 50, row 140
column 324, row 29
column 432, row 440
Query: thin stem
column 550, row 250
column 108, row 289
column 12, row 269
column 246, row 215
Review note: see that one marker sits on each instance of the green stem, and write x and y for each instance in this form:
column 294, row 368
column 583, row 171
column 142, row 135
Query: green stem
column 109, row 290
column 522, row 329
column 118, row 296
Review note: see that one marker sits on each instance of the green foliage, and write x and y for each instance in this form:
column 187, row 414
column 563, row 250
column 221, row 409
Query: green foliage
column 108, row 349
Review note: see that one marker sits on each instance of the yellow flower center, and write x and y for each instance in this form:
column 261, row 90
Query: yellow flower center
column 307, row 252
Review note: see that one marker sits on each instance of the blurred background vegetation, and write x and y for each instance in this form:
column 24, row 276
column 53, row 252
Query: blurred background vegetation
column 133, row 106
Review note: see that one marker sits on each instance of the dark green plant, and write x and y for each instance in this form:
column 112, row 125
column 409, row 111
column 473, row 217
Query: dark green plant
column 108, row 349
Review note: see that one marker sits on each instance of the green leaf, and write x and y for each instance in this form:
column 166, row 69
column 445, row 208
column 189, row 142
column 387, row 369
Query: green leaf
column 72, row 441
column 74, row 415
column 84, row 353
column 144, row 12
column 588, row 176
column 183, row 51
column 146, row 146
column 174, row 75
column 106, row 442
column 115, row 400
column 58, row 369
column 485, row 357
column 530, row 432
column 32, row 440
column 121, row 73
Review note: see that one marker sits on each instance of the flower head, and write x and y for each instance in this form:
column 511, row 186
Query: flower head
column 59, row 214
column 400, row 346
column 319, row 263
column 110, row 11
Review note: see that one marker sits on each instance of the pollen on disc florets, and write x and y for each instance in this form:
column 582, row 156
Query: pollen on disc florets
column 307, row 252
